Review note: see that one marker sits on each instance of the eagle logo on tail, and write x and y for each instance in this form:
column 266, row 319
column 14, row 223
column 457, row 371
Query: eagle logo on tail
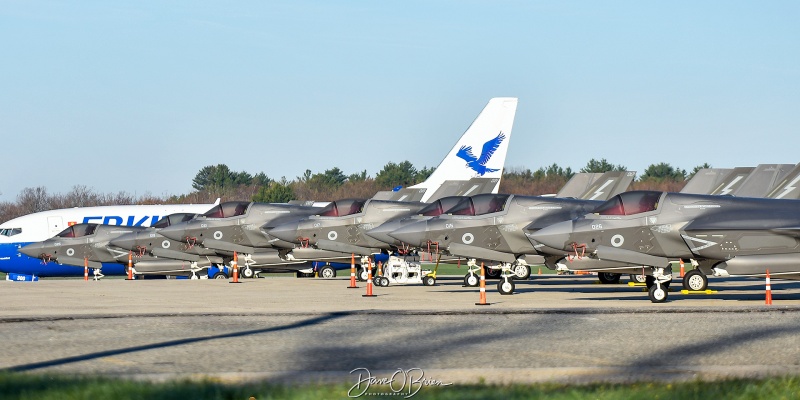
column 479, row 164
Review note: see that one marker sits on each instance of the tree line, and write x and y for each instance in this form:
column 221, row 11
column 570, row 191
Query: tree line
column 219, row 181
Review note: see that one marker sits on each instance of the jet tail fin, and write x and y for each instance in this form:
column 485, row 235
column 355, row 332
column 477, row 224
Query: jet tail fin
column 479, row 155
column 597, row 186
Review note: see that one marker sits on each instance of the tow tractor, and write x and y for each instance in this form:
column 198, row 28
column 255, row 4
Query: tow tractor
column 404, row 270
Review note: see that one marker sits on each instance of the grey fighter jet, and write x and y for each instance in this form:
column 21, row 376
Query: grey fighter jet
column 727, row 236
column 81, row 245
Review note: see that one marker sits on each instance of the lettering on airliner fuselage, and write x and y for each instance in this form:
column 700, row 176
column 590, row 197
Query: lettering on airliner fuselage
column 131, row 220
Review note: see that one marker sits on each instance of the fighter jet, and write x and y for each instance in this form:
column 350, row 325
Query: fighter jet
column 80, row 245
column 89, row 245
column 727, row 236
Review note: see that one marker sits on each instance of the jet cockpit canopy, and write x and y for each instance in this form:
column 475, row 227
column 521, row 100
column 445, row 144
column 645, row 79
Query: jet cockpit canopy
column 480, row 204
column 630, row 203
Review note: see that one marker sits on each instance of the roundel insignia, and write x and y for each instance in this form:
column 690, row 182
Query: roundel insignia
column 617, row 240
column 70, row 252
column 218, row 235
column 332, row 235
column 467, row 238
column 165, row 244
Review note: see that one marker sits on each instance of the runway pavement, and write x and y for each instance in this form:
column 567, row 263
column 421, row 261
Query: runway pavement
column 556, row 328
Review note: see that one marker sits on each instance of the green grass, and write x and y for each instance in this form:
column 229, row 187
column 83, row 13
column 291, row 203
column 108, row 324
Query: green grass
column 44, row 387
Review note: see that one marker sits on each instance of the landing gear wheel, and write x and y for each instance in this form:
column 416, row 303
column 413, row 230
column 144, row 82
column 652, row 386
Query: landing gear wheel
column 522, row 272
column 609, row 277
column 492, row 273
column 639, row 278
column 247, row 273
column 695, row 280
column 428, row 281
column 506, row 286
column 384, row 281
column 220, row 275
column 658, row 293
column 376, row 280
column 362, row 274
column 471, row 280
column 327, row 272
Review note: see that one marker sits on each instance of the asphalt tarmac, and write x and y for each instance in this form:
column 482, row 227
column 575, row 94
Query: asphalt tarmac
column 555, row 328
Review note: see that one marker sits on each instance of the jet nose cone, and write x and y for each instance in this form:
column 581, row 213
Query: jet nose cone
column 382, row 232
column 286, row 232
column 174, row 232
column 557, row 236
column 415, row 234
column 32, row 250
column 126, row 241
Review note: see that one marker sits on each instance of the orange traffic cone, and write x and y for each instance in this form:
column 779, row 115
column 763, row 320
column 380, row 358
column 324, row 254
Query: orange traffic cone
column 769, row 291
column 369, row 281
column 235, row 263
column 380, row 268
column 540, row 270
column 130, row 266
column 682, row 270
column 352, row 272
column 85, row 268
column 483, row 288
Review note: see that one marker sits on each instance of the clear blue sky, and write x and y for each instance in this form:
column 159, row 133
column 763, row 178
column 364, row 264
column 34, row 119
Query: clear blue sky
column 138, row 96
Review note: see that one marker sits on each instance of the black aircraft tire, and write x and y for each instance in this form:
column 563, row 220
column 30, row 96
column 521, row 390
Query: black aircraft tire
column 695, row 280
column 247, row 273
column 471, row 280
column 506, row 286
column 609, row 278
column 362, row 274
column 428, row 280
column 658, row 294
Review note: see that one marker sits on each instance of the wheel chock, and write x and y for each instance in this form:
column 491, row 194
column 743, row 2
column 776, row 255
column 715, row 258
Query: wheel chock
column 636, row 284
column 707, row 291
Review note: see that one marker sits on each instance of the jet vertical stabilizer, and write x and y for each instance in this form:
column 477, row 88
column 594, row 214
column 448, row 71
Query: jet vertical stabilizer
column 787, row 188
column 600, row 186
column 732, row 182
column 762, row 180
column 705, row 180
column 480, row 154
